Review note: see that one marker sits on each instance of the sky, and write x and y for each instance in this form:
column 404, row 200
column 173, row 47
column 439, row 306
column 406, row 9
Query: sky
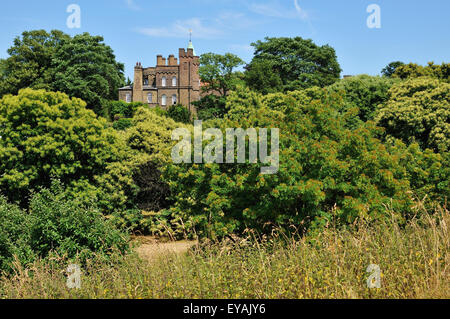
column 138, row 30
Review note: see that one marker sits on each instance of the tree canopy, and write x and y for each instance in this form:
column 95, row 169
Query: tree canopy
column 298, row 62
column 82, row 66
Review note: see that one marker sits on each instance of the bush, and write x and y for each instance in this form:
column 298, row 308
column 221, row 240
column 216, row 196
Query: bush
column 48, row 135
column 122, row 124
column 55, row 223
column 71, row 228
column 324, row 167
column 121, row 109
column 210, row 107
column 14, row 235
column 179, row 113
column 363, row 92
column 418, row 110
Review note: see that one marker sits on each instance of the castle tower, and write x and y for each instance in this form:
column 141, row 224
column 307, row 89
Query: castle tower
column 189, row 77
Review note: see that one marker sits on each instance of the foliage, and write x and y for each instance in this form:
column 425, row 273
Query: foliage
column 299, row 63
column 179, row 113
column 323, row 165
column 211, row 107
column 390, row 69
column 364, row 92
column 413, row 70
column 45, row 135
column 30, row 61
column 121, row 109
column 428, row 172
column 263, row 77
column 82, row 66
column 151, row 137
column 217, row 72
column 418, row 110
column 55, row 224
column 122, row 124
column 14, row 235
column 86, row 68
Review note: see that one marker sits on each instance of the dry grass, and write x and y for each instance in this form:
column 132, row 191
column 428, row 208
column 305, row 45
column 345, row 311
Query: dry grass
column 414, row 262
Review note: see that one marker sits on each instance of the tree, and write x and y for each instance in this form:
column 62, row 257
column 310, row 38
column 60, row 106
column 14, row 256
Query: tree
column 86, row 68
column 29, row 63
column 418, row 110
column 47, row 135
column 217, row 72
column 322, row 165
column 82, row 66
column 299, row 63
column 261, row 76
column 390, row 69
column 364, row 92
column 413, row 70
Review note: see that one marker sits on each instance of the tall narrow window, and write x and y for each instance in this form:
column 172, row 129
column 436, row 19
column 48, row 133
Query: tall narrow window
column 149, row 98
column 174, row 99
column 174, row 81
column 164, row 100
column 163, row 81
column 128, row 98
column 146, row 82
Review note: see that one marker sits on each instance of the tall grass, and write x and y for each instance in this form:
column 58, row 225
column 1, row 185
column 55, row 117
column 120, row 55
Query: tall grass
column 414, row 261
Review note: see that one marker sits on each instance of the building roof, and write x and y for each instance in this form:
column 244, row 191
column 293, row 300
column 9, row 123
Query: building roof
column 128, row 87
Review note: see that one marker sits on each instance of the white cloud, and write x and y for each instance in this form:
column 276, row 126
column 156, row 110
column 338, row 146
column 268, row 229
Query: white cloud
column 180, row 29
column 131, row 5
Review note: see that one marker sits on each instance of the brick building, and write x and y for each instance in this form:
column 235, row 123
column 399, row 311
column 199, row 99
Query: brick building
column 171, row 81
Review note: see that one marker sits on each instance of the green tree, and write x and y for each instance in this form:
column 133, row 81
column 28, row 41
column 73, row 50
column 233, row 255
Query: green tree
column 418, row 110
column 82, row 66
column 217, row 72
column 47, row 135
column 299, row 63
column 323, row 165
column 390, row 69
column 262, row 77
column 30, row 61
column 364, row 92
column 413, row 70
column 86, row 68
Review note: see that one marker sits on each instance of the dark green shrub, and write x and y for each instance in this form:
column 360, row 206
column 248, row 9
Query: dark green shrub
column 363, row 92
column 122, row 124
column 71, row 228
column 122, row 109
column 14, row 235
column 179, row 113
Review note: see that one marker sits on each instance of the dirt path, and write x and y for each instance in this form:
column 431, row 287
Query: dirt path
column 149, row 248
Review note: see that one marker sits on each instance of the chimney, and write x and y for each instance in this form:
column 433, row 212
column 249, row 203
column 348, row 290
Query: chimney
column 160, row 60
column 172, row 60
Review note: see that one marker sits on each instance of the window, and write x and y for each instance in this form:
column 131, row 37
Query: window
column 164, row 100
column 174, row 99
column 163, row 81
column 146, row 82
column 128, row 98
column 174, row 81
column 149, row 98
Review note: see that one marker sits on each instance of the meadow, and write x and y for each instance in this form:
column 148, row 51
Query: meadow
column 414, row 262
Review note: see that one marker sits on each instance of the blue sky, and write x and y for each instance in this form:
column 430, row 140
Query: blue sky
column 138, row 30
